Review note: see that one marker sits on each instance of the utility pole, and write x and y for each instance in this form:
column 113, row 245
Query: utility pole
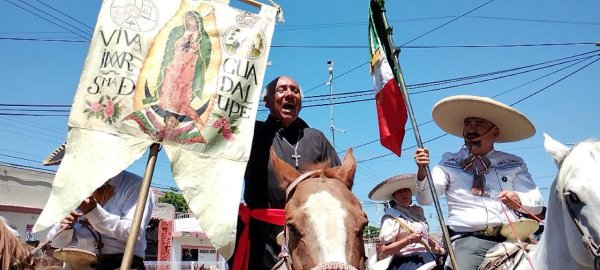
column 331, row 122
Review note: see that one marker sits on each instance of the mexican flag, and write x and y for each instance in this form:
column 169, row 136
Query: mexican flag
column 391, row 110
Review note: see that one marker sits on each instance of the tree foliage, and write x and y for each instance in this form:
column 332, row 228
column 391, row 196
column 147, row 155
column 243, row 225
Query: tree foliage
column 175, row 199
column 370, row 232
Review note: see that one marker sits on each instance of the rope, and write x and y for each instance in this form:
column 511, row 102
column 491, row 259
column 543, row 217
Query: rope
column 528, row 212
column 512, row 228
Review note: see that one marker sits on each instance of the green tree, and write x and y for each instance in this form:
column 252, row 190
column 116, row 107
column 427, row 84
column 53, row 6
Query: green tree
column 175, row 199
column 370, row 231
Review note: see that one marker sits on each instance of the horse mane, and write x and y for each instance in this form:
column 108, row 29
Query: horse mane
column 582, row 156
column 13, row 255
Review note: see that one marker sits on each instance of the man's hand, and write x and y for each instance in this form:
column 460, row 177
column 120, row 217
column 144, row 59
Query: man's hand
column 510, row 199
column 422, row 157
column 422, row 160
column 87, row 205
column 69, row 221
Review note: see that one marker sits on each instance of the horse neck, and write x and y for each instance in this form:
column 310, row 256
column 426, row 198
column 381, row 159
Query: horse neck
column 552, row 251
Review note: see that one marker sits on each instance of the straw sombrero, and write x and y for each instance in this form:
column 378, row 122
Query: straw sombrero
column 522, row 227
column 56, row 156
column 384, row 190
column 77, row 258
column 449, row 114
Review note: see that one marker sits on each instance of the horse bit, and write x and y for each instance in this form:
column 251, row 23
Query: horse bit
column 587, row 239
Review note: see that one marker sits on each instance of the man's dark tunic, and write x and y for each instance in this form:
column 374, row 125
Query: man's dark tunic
column 262, row 187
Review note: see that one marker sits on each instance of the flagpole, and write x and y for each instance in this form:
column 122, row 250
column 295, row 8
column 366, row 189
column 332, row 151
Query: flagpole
column 140, row 208
column 415, row 127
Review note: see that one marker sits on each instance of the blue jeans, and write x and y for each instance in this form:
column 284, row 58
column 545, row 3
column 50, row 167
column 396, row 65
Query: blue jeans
column 470, row 251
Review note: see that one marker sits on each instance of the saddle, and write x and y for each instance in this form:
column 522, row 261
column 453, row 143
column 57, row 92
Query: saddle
column 504, row 256
column 76, row 258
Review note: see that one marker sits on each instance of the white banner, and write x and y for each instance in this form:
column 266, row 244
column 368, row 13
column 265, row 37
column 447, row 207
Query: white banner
column 186, row 74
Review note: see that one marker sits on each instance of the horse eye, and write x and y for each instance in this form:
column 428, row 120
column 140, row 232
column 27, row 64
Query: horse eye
column 572, row 197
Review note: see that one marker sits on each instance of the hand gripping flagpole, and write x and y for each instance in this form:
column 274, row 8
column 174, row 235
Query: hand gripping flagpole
column 139, row 208
column 400, row 79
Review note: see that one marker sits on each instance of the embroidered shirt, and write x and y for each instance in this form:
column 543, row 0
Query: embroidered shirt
column 468, row 212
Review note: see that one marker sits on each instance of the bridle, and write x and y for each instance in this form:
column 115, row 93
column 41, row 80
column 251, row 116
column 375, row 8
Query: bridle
column 588, row 240
column 289, row 192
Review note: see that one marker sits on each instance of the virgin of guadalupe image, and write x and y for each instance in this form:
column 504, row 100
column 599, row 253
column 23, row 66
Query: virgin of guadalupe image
column 178, row 78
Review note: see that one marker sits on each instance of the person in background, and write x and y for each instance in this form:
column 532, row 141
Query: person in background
column 102, row 222
column 295, row 143
column 404, row 230
column 482, row 185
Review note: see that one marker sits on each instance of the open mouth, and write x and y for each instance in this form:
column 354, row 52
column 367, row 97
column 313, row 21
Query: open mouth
column 288, row 107
column 471, row 135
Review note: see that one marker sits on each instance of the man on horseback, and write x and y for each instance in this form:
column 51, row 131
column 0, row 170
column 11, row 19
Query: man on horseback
column 295, row 143
column 103, row 221
column 482, row 186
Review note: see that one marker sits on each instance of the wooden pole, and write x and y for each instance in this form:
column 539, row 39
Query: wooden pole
column 400, row 80
column 140, row 207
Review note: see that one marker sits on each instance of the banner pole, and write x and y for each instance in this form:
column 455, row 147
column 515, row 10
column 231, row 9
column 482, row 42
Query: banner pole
column 140, row 207
column 415, row 127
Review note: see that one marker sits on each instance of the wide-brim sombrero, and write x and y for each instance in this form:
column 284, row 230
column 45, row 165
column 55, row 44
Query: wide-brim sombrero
column 56, row 156
column 384, row 190
column 522, row 227
column 449, row 114
column 78, row 258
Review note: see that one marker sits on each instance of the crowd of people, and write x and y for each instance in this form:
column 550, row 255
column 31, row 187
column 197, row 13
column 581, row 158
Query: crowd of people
column 484, row 189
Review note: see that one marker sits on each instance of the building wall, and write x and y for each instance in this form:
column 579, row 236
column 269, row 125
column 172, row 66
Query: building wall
column 24, row 223
column 206, row 253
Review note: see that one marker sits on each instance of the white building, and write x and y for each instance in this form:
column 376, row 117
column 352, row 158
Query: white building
column 24, row 193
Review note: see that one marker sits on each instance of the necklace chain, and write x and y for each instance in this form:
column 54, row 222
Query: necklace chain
column 295, row 156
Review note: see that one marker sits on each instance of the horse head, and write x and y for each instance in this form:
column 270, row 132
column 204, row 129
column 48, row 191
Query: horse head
column 324, row 220
column 573, row 207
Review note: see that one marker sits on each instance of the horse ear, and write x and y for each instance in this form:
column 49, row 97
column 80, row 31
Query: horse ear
column 285, row 172
column 345, row 172
column 556, row 149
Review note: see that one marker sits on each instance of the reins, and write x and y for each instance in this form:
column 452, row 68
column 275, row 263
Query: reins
column 293, row 185
column 587, row 239
column 512, row 228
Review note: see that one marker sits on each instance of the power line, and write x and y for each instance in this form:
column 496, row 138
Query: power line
column 37, row 15
column 520, row 100
column 434, row 29
column 54, row 17
column 44, row 39
column 557, row 81
column 66, row 15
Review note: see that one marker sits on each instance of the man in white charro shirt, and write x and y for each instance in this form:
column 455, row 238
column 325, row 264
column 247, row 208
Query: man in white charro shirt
column 104, row 220
column 480, row 183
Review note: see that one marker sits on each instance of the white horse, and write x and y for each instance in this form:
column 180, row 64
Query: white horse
column 573, row 220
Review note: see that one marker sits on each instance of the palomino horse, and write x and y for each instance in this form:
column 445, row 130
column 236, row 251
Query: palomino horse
column 570, row 239
column 16, row 255
column 324, row 220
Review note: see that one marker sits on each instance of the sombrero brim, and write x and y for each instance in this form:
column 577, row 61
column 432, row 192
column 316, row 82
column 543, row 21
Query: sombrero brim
column 384, row 190
column 523, row 227
column 56, row 156
column 76, row 257
column 449, row 114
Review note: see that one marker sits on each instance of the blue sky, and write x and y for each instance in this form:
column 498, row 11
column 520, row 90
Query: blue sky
column 41, row 70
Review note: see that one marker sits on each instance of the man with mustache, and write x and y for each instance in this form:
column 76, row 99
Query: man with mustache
column 295, row 143
column 482, row 185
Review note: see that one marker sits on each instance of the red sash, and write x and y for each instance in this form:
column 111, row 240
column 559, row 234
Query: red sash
column 272, row 216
